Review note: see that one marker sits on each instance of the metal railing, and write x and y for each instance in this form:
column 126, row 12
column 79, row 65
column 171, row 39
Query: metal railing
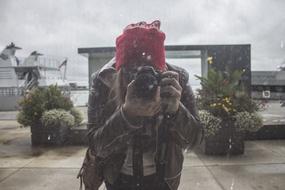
column 11, row 91
column 43, row 61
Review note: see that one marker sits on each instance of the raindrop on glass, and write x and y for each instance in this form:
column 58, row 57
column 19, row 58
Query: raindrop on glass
column 148, row 57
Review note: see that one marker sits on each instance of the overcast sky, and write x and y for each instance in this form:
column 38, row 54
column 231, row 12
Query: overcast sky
column 59, row 27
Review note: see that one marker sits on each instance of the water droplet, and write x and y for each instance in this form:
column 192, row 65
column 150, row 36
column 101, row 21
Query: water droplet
column 150, row 86
column 148, row 57
column 160, row 117
column 232, row 185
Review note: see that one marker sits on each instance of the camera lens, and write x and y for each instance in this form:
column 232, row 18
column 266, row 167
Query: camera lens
column 146, row 82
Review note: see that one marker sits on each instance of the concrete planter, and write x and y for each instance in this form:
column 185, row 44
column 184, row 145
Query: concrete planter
column 267, row 132
column 78, row 136
column 56, row 135
column 226, row 142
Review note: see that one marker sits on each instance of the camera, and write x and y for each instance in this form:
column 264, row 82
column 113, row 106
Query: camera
column 147, row 80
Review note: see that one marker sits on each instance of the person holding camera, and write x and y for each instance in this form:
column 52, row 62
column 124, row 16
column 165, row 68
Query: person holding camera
column 141, row 116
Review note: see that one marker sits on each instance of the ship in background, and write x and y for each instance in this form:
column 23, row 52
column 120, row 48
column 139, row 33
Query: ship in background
column 17, row 76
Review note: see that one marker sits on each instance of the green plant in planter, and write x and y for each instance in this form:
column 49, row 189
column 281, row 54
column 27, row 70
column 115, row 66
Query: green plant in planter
column 211, row 123
column 226, row 102
column 223, row 96
column 22, row 119
column 54, row 99
column 32, row 107
column 56, row 124
column 78, row 118
column 57, row 118
column 38, row 100
column 246, row 121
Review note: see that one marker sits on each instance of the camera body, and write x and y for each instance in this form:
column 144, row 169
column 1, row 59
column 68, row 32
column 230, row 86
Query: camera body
column 147, row 80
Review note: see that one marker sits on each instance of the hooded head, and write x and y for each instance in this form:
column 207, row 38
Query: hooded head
column 141, row 42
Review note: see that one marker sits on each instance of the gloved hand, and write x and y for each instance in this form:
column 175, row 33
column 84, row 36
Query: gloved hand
column 170, row 92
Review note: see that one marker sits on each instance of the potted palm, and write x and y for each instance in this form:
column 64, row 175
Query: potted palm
column 226, row 111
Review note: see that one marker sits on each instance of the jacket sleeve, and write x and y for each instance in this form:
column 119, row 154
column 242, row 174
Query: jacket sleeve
column 109, row 131
column 185, row 128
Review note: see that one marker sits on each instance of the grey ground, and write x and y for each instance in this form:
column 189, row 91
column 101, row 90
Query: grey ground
column 24, row 167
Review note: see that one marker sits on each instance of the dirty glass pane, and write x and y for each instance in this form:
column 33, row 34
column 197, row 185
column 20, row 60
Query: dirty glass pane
column 233, row 51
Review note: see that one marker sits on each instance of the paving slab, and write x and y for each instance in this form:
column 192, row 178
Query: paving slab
column 250, row 177
column 11, row 131
column 254, row 154
column 191, row 159
column 42, row 179
column 61, row 157
column 197, row 178
column 6, row 172
column 14, row 162
column 193, row 178
column 276, row 146
column 15, row 147
column 15, row 156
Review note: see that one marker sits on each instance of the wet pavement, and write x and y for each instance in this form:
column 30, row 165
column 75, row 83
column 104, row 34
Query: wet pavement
column 24, row 167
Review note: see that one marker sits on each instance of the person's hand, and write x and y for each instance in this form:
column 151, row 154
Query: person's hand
column 139, row 107
column 170, row 92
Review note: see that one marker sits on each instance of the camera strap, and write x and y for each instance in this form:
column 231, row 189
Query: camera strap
column 162, row 139
column 138, row 160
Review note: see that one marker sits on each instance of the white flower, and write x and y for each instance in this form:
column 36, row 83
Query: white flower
column 245, row 121
column 211, row 123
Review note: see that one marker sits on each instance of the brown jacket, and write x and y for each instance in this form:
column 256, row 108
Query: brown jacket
column 110, row 133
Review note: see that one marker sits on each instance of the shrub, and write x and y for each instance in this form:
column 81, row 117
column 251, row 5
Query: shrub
column 223, row 95
column 21, row 118
column 78, row 118
column 39, row 100
column 54, row 99
column 245, row 121
column 211, row 123
column 57, row 118
column 32, row 107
